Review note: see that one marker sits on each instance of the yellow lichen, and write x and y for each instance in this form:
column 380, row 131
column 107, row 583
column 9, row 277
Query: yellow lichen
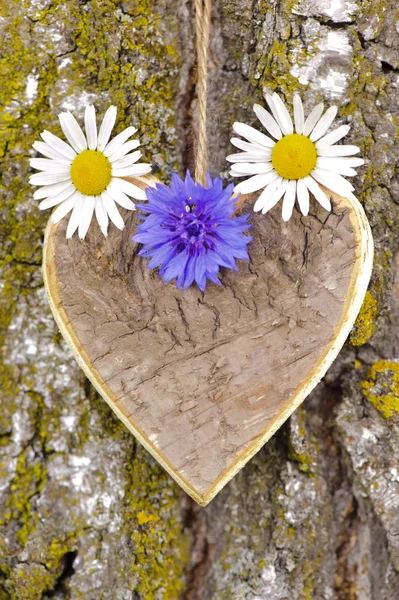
column 160, row 546
column 30, row 582
column 364, row 326
column 28, row 481
column 143, row 518
column 304, row 460
column 381, row 387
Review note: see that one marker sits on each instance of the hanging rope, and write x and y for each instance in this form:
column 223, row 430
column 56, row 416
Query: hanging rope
column 202, row 32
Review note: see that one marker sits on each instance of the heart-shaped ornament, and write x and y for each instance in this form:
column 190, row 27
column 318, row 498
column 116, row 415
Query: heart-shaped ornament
column 204, row 380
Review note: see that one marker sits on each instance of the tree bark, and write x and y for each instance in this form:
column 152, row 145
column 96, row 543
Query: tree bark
column 84, row 511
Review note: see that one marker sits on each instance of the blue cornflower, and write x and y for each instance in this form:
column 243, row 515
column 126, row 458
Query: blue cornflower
column 190, row 231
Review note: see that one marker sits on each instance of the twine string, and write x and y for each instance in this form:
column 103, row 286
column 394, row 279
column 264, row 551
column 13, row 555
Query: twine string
column 202, row 34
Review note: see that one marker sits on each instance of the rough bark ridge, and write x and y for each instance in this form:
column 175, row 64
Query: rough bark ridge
column 84, row 512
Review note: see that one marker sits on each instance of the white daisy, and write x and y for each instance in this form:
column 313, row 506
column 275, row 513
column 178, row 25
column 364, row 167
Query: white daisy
column 86, row 175
column 293, row 164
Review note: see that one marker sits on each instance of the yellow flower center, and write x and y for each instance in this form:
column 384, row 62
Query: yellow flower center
column 91, row 172
column 294, row 156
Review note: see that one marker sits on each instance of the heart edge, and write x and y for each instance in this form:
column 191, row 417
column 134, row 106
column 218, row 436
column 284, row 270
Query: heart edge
column 357, row 289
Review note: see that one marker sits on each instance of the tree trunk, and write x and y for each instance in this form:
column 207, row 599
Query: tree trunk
column 84, row 511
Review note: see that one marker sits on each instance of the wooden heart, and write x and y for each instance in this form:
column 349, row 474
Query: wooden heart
column 204, row 380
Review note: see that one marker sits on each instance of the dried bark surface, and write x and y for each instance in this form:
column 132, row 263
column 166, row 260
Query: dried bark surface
column 84, row 512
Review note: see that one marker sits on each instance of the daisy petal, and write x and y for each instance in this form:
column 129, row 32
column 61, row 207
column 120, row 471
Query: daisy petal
column 284, row 120
column 248, row 157
column 342, row 160
column 124, row 149
column 253, row 135
column 106, row 128
column 130, row 189
column 241, row 169
column 267, row 194
column 267, row 121
column 64, row 208
column 299, row 117
column 86, row 216
column 312, row 119
column 59, row 145
column 255, row 183
column 344, row 150
column 126, row 203
column 303, row 196
column 51, row 202
column 91, row 127
column 73, row 223
column 46, row 150
column 334, row 136
column 72, row 131
column 51, row 190
column 134, row 171
column 112, row 211
column 336, row 166
column 249, row 146
column 318, row 193
column 280, row 191
column 128, row 160
column 101, row 215
column 280, row 113
column 324, row 124
column 289, row 200
column 47, row 164
column 272, row 106
column 332, row 181
column 57, row 199
column 120, row 197
column 119, row 140
column 46, row 178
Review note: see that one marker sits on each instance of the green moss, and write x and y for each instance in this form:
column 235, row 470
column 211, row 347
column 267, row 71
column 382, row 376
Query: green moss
column 271, row 67
column 56, row 551
column 364, row 326
column 276, row 66
column 143, row 518
column 310, row 570
column 304, row 460
column 160, row 547
column 28, row 481
column 382, row 266
column 382, row 387
column 29, row 581
column 134, row 71
column 302, row 447
column 308, row 591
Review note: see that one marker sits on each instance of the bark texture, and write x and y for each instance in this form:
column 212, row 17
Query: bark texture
column 84, row 511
